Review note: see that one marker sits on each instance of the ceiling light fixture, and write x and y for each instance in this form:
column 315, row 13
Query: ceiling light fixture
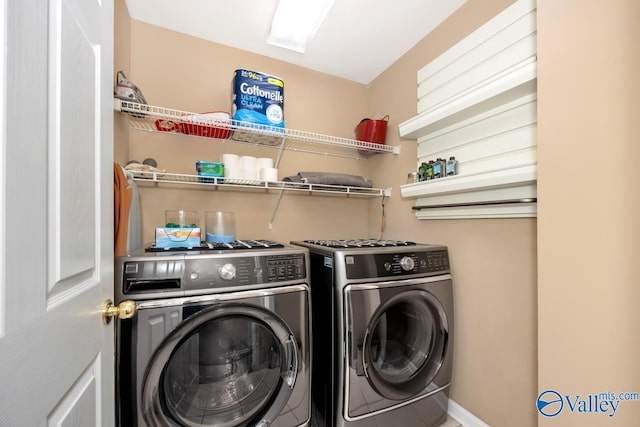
column 296, row 22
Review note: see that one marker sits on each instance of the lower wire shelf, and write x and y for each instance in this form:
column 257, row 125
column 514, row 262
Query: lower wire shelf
column 244, row 184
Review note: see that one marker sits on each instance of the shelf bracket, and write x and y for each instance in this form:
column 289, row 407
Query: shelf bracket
column 275, row 209
column 280, row 151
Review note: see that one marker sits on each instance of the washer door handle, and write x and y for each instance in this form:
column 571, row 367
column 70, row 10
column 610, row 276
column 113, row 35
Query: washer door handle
column 361, row 362
column 291, row 355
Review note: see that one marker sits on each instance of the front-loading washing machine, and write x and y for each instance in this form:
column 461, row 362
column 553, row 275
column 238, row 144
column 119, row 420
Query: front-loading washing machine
column 220, row 337
column 382, row 319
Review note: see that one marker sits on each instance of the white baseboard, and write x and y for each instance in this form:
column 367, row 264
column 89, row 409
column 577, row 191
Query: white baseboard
column 464, row 417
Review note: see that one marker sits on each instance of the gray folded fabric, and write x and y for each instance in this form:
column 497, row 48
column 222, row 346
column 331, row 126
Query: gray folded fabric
column 328, row 178
column 292, row 178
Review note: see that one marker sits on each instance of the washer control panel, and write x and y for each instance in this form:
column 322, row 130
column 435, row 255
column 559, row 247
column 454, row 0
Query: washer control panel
column 204, row 273
column 178, row 274
column 379, row 265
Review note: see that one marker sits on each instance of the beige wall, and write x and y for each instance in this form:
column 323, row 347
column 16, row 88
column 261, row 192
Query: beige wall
column 493, row 261
column 588, row 227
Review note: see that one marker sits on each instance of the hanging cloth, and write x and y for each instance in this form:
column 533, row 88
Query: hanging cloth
column 134, row 235
column 122, row 196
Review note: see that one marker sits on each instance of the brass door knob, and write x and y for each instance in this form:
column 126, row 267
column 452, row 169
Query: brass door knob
column 124, row 310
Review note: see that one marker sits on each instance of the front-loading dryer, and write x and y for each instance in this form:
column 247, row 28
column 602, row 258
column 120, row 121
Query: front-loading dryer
column 385, row 309
column 219, row 338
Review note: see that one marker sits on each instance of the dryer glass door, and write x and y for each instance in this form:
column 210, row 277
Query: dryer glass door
column 404, row 344
column 229, row 365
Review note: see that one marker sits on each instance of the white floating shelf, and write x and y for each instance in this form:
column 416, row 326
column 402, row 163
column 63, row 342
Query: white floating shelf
column 498, row 194
column 512, row 84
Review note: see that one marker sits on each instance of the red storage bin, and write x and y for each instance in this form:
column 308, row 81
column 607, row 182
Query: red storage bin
column 216, row 124
column 372, row 130
column 167, row 126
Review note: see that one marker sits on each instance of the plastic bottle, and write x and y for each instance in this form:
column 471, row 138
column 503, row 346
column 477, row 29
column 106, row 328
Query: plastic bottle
column 421, row 172
column 437, row 169
column 428, row 171
column 452, row 166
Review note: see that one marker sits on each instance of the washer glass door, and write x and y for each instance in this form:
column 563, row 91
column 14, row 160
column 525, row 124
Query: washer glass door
column 229, row 365
column 405, row 344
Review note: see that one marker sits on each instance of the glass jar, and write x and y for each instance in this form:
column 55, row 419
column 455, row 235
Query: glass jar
column 412, row 177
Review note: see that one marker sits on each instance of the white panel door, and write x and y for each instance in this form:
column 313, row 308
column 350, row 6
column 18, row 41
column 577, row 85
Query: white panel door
column 56, row 213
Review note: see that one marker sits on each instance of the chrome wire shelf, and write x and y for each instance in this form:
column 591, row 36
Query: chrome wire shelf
column 160, row 119
column 206, row 181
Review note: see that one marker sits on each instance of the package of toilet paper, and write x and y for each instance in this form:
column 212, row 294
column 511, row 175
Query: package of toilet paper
column 258, row 98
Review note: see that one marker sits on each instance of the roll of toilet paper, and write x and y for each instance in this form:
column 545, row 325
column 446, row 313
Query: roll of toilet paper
column 231, row 161
column 264, row 162
column 269, row 174
column 233, row 173
column 250, row 167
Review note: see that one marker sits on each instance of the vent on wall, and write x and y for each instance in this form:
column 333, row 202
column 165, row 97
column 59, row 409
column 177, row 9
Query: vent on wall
column 477, row 102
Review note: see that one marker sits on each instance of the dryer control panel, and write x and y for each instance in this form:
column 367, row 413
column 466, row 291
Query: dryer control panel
column 379, row 265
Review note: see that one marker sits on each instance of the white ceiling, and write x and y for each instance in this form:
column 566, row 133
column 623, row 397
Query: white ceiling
column 358, row 40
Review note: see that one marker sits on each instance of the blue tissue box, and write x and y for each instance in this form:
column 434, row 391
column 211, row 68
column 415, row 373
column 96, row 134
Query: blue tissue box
column 179, row 237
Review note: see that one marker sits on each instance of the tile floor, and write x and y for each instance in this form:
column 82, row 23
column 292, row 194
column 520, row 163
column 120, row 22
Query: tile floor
column 451, row 423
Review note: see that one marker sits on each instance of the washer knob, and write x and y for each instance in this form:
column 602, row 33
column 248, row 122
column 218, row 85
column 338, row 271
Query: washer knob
column 227, row 271
column 407, row 263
